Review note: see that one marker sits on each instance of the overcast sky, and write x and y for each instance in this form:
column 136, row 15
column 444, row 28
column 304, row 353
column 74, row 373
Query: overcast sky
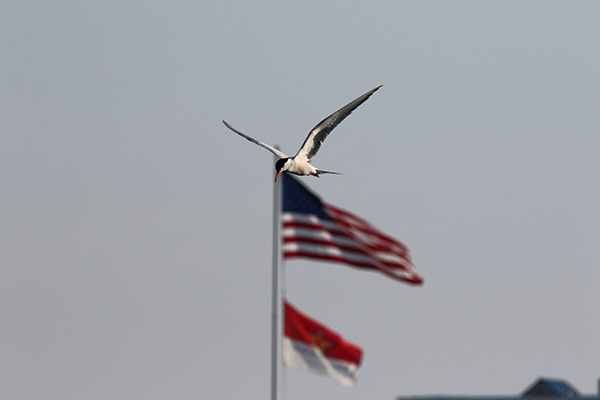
column 136, row 229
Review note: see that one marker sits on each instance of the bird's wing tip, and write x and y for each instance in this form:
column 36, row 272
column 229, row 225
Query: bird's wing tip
column 228, row 125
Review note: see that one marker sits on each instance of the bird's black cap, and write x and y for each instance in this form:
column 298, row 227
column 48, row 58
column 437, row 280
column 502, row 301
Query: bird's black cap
column 279, row 163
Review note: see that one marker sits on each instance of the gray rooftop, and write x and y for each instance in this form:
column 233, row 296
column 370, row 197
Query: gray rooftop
column 541, row 389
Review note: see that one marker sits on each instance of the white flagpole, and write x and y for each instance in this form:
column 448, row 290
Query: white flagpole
column 275, row 299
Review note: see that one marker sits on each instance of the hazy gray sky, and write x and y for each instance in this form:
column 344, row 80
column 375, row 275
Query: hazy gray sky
column 136, row 229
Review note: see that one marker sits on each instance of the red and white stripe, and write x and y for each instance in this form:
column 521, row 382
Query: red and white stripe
column 347, row 239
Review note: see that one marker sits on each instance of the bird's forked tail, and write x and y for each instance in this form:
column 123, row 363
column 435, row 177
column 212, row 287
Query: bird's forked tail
column 322, row 171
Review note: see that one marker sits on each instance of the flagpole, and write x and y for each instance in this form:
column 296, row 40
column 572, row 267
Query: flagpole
column 275, row 300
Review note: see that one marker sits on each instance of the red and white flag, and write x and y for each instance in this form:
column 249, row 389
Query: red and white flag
column 311, row 346
column 317, row 230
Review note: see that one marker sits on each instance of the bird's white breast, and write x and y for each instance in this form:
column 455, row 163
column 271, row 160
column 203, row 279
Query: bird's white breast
column 301, row 168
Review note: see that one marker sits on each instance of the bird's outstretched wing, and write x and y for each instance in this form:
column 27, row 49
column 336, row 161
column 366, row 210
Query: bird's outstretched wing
column 266, row 146
column 317, row 135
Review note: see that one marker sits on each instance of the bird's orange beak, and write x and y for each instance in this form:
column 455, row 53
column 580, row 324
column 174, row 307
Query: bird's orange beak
column 277, row 176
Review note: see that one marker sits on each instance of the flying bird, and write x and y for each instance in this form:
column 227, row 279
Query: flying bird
column 300, row 163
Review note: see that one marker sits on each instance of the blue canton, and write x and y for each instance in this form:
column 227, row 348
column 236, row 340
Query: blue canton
column 297, row 198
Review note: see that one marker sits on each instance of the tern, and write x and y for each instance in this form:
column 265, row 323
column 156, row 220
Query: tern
column 300, row 163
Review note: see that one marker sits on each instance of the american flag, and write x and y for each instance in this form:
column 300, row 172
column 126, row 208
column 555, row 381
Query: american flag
column 317, row 230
